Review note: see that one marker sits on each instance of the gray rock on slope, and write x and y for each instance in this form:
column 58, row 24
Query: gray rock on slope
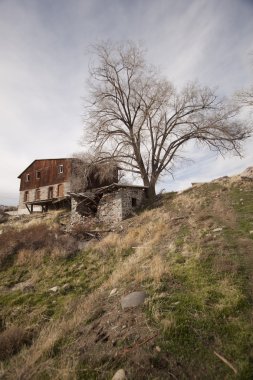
column 119, row 375
column 133, row 299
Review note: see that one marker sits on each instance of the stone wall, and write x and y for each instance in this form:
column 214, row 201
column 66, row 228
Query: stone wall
column 43, row 196
column 116, row 206
column 75, row 216
column 132, row 198
column 110, row 207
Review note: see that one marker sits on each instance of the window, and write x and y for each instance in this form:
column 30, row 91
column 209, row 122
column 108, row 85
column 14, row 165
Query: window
column 50, row 192
column 60, row 169
column 38, row 174
column 26, row 196
column 60, row 190
column 37, row 194
column 134, row 202
column 27, row 177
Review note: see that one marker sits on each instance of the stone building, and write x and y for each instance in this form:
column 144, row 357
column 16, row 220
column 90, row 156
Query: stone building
column 110, row 204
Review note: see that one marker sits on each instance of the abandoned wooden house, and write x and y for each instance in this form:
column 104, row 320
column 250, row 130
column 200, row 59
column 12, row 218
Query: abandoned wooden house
column 63, row 183
column 45, row 184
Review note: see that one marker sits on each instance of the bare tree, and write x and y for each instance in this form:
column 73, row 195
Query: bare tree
column 89, row 171
column 245, row 96
column 137, row 117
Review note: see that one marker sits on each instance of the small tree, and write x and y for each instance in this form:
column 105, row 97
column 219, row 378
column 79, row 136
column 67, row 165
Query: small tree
column 89, row 170
column 137, row 117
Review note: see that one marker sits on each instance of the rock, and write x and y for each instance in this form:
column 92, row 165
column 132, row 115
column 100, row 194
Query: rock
column 133, row 299
column 248, row 173
column 66, row 286
column 54, row 289
column 218, row 229
column 119, row 375
column 251, row 232
column 26, row 286
column 113, row 291
column 158, row 349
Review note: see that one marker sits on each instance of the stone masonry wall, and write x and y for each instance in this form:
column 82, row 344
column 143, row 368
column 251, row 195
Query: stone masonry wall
column 75, row 216
column 128, row 195
column 118, row 205
column 110, row 208
column 43, row 195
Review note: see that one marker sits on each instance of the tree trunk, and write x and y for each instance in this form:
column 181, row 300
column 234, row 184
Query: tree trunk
column 151, row 193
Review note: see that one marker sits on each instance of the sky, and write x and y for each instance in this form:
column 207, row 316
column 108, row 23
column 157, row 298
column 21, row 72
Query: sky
column 44, row 62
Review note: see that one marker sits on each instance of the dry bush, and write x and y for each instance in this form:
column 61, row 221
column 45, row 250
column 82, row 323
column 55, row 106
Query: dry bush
column 109, row 242
column 33, row 258
column 3, row 216
column 12, row 340
column 8, row 246
column 65, row 247
column 78, row 230
column 158, row 268
column 32, row 244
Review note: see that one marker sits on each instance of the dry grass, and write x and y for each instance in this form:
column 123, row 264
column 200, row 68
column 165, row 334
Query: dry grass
column 31, row 258
column 183, row 273
column 11, row 341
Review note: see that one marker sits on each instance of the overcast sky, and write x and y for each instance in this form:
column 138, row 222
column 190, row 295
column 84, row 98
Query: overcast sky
column 44, row 61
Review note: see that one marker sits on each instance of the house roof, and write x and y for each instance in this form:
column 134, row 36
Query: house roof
column 43, row 159
column 105, row 189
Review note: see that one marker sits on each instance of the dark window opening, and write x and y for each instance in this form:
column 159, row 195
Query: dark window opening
column 38, row 174
column 27, row 177
column 60, row 169
column 134, row 202
column 26, row 196
column 50, row 192
column 37, row 194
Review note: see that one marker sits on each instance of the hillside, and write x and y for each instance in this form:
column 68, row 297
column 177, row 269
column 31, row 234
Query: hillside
column 191, row 253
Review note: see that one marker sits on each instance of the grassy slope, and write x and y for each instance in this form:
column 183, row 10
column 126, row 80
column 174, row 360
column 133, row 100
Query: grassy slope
column 199, row 282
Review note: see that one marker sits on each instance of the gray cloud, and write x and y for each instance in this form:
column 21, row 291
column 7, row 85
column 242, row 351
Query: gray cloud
column 44, row 64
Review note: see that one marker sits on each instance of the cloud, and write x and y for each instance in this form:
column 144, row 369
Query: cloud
column 44, row 64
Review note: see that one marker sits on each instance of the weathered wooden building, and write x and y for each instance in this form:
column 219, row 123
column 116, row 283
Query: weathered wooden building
column 85, row 189
column 45, row 183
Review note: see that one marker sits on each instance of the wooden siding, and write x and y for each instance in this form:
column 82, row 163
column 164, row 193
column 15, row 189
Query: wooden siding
column 49, row 173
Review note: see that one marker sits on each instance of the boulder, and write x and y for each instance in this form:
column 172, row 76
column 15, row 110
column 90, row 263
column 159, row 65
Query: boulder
column 119, row 375
column 133, row 299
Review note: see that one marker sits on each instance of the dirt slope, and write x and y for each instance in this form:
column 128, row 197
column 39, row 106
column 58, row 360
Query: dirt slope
column 192, row 253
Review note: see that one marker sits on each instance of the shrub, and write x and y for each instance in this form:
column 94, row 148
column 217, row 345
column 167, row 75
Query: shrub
column 33, row 243
column 64, row 247
column 3, row 216
column 31, row 238
column 12, row 340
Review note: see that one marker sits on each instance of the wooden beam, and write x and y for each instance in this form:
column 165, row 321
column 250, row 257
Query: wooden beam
column 28, row 208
